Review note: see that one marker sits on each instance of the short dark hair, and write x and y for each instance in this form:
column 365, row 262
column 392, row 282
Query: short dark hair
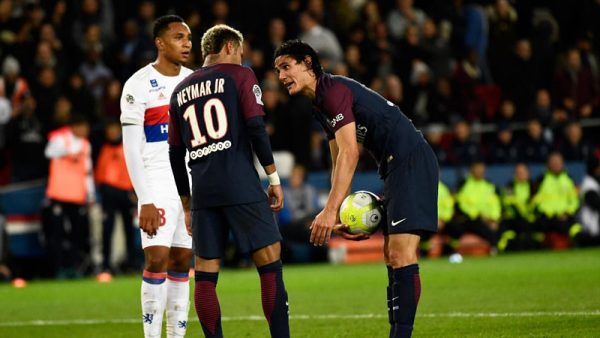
column 162, row 24
column 299, row 50
column 217, row 36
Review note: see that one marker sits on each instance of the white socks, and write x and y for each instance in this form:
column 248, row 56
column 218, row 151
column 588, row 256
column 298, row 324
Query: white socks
column 178, row 303
column 154, row 299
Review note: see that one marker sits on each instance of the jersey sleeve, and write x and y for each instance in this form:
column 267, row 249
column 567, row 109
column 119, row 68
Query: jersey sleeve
column 250, row 94
column 133, row 103
column 174, row 130
column 337, row 103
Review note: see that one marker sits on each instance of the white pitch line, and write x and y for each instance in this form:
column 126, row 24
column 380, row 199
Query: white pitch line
column 317, row 317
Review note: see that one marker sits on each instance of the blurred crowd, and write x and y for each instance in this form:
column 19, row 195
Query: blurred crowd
column 494, row 80
column 487, row 81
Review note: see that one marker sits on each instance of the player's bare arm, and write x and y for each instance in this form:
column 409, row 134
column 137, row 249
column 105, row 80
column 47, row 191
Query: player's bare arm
column 339, row 228
column 149, row 219
column 345, row 164
column 274, row 191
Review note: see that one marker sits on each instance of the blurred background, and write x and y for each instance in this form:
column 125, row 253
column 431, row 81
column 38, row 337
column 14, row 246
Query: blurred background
column 506, row 92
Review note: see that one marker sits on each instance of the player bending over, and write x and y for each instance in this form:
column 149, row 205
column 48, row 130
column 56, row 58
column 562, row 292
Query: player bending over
column 217, row 114
column 145, row 116
column 352, row 114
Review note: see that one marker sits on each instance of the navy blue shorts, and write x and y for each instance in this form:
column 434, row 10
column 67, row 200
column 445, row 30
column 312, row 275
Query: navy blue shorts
column 410, row 193
column 253, row 226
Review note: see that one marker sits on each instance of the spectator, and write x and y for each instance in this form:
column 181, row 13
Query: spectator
column 435, row 49
column 573, row 146
column 544, row 110
column 443, row 105
column 476, row 36
column 70, row 189
column 445, row 215
column 46, row 90
column 135, row 50
column 13, row 86
column 517, row 215
column 94, row 12
column 94, row 72
column 478, row 206
column 589, row 214
column 403, row 16
column 117, row 195
column 507, row 112
column 321, row 39
column 502, row 18
column 434, row 134
column 299, row 211
column 394, row 90
column 521, row 79
column 504, row 149
column 82, row 100
column 466, row 78
column 535, row 147
column 463, row 150
column 277, row 34
column 555, row 199
column 574, row 86
column 111, row 109
column 27, row 140
column 356, row 66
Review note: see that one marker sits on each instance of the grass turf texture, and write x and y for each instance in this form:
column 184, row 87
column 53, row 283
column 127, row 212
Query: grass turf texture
column 542, row 294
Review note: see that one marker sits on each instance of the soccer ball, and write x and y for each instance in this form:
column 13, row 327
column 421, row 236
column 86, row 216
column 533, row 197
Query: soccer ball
column 361, row 211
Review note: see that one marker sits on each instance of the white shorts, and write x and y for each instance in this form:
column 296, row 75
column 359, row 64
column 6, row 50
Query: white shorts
column 171, row 232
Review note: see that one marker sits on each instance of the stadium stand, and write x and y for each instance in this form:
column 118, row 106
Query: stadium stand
column 483, row 66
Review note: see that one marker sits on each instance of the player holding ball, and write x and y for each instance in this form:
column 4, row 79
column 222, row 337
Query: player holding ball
column 354, row 116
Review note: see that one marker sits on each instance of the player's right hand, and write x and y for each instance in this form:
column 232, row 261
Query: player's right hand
column 344, row 231
column 188, row 221
column 275, row 193
column 149, row 219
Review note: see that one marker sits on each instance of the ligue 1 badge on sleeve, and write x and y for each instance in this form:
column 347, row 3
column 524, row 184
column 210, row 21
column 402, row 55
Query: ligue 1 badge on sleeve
column 129, row 98
column 258, row 93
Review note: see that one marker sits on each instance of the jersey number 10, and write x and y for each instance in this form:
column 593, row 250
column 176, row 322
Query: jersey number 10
column 214, row 132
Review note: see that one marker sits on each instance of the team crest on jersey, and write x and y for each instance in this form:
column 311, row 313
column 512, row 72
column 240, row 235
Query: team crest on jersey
column 154, row 83
column 258, row 93
column 129, row 98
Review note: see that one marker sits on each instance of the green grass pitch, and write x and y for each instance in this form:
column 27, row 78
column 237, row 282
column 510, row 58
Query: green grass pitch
column 541, row 294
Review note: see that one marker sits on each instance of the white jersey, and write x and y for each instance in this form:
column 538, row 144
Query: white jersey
column 145, row 102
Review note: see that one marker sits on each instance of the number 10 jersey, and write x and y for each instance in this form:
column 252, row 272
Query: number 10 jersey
column 209, row 110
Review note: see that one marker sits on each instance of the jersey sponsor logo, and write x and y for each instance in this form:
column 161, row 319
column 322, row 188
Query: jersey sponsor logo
column 205, row 151
column 157, row 133
column 336, row 119
column 154, row 83
column 161, row 96
column 129, row 98
column 156, row 124
column 258, row 93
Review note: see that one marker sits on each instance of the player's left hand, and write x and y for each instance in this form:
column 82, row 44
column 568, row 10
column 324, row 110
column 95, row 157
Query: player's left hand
column 322, row 226
column 344, row 231
column 275, row 193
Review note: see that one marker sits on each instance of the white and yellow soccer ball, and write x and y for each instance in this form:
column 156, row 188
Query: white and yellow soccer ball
column 361, row 211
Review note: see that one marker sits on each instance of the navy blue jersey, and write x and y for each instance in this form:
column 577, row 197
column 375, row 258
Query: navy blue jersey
column 208, row 112
column 380, row 125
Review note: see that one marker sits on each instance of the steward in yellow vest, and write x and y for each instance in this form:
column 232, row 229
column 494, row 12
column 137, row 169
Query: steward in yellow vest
column 478, row 206
column 556, row 201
